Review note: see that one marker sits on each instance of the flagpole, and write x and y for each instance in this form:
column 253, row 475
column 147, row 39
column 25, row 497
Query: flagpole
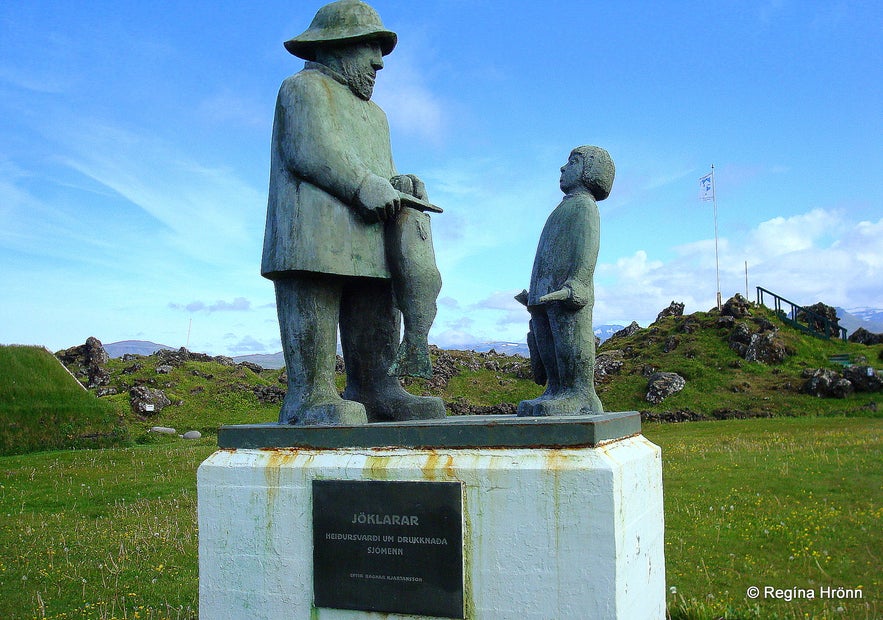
column 716, row 259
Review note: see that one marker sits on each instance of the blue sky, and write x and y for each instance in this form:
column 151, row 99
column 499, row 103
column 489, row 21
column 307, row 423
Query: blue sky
column 134, row 156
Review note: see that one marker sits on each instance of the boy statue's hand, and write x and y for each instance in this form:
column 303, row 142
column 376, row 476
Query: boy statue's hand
column 572, row 299
column 562, row 294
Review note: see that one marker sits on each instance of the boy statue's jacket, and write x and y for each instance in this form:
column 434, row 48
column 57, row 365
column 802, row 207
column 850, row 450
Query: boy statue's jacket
column 567, row 251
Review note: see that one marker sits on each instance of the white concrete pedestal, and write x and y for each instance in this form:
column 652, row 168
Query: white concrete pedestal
column 549, row 533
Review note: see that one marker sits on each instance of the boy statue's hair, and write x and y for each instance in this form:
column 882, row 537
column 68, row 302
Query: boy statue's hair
column 598, row 170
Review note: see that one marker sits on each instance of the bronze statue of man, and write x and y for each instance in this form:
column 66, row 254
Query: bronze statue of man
column 340, row 246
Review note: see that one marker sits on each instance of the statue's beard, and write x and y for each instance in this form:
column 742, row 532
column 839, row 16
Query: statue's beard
column 360, row 81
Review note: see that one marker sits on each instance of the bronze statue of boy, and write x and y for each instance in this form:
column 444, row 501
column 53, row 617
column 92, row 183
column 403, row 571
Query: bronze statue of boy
column 561, row 294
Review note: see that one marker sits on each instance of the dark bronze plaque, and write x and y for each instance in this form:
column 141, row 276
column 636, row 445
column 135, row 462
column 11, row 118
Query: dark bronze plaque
column 392, row 547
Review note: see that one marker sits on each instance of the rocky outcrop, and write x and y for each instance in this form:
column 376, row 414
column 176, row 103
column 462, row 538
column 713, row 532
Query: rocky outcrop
column 176, row 358
column 269, row 394
column 447, row 364
column 825, row 383
column 147, row 401
column 863, row 336
column 740, row 338
column 661, row 385
column 606, row 364
column 766, row 348
column 626, row 331
column 764, row 345
column 461, row 407
column 817, row 315
column 863, row 378
column 256, row 369
column 737, row 307
column 726, row 322
column 674, row 309
column 87, row 362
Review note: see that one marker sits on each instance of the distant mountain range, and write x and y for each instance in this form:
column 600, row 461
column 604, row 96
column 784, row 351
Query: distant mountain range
column 605, row 331
column 266, row 360
column 869, row 318
column 134, row 347
column 276, row 360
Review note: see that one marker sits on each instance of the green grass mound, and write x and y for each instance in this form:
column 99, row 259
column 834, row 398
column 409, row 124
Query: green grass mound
column 720, row 383
column 42, row 407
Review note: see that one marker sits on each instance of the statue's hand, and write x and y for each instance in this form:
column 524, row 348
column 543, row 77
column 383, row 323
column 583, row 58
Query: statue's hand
column 572, row 299
column 410, row 184
column 562, row 294
column 377, row 200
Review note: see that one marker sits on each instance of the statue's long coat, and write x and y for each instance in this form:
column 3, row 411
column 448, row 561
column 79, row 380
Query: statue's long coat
column 326, row 141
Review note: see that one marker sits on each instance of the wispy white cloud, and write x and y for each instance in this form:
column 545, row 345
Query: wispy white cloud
column 227, row 107
column 242, row 345
column 475, row 193
column 408, row 102
column 207, row 212
column 43, row 82
column 240, row 304
column 781, row 235
column 796, row 257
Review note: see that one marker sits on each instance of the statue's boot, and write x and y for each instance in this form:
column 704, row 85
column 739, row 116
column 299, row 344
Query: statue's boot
column 392, row 403
column 543, row 363
column 569, row 362
column 416, row 284
column 308, row 307
column 369, row 329
column 569, row 402
column 333, row 410
column 527, row 407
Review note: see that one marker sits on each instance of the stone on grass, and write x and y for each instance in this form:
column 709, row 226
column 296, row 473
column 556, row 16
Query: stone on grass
column 661, row 385
column 607, row 363
column 863, row 378
column 766, row 348
column 147, row 401
column 825, row 383
column 162, row 430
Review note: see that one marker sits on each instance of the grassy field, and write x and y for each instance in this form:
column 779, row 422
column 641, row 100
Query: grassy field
column 43, row 407
column 780, row 502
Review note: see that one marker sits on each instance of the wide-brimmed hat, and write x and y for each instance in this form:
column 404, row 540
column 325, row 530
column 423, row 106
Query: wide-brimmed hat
column 344, row 21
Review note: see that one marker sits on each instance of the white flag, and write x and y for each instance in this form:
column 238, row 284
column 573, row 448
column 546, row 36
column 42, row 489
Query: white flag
column 706, row 187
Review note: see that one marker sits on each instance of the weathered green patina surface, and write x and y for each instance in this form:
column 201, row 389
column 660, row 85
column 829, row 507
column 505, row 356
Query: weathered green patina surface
column 492, row 431
column 561, row 295
column 346, row 241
